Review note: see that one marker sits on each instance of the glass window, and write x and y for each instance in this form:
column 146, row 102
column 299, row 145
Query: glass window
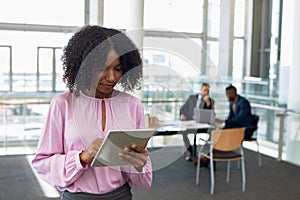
column 180, row 54
column 24, row 54
column 171, row 63
column 49, row 58
column 198, row 41
column 213, row 23
column 175, row 15
column 4, row 67
column 113, row 15
column 202, row 53
column 60, row 85
column 275, row 33
column 212, row 54
column 239, row 18
column 54, row 12
column 238, row 58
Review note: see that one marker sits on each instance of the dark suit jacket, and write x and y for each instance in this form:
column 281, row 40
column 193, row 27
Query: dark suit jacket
column 188, row 107
column 241, row 117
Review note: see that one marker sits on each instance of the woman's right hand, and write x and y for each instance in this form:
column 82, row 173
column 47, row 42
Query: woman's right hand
column 88, row 155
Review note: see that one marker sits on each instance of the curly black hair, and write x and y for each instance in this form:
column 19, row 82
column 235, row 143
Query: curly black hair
column 86, row 53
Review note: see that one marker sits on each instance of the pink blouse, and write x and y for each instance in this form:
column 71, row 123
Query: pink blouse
column 71, row 126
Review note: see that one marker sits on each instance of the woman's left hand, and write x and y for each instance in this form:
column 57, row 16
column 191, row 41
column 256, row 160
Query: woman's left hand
column 135, row 155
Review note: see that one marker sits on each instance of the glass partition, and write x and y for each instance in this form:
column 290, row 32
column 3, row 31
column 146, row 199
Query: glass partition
column 292, row 137
column 21, row 122
column 21, row 125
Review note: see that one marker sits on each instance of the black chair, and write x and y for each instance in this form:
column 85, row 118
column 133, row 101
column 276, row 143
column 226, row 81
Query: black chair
column 251, row 135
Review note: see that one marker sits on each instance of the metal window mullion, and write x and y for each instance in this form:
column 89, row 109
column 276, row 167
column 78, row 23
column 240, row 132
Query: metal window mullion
column 53, row 70
column 265, row 33
column 10, row 70
column 245, row 38
column 169, row 34
column 100, row 12
column 204, row 38
column 86, row 12
column 231, row 27
column 214, row 39
column 38, row 70
column 279, row 30
column 37, row 27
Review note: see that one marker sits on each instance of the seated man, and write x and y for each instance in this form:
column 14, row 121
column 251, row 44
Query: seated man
column 201, row 100
column 239, row 111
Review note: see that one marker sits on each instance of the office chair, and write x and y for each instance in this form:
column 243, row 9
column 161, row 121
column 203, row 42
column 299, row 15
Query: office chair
column 253, row 138
column 225, row 146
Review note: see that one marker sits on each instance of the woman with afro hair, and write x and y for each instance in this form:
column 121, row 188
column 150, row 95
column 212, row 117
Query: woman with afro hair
column 96, row 62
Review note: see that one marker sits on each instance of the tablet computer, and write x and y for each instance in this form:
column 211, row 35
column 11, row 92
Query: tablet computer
column 114, row 143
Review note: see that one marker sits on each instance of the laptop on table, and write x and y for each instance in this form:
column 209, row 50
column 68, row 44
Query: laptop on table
column 204, row 116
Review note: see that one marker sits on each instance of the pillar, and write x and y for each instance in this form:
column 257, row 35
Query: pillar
column 290, row 58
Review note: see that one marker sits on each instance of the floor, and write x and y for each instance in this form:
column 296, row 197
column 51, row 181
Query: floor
column 174, row 178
